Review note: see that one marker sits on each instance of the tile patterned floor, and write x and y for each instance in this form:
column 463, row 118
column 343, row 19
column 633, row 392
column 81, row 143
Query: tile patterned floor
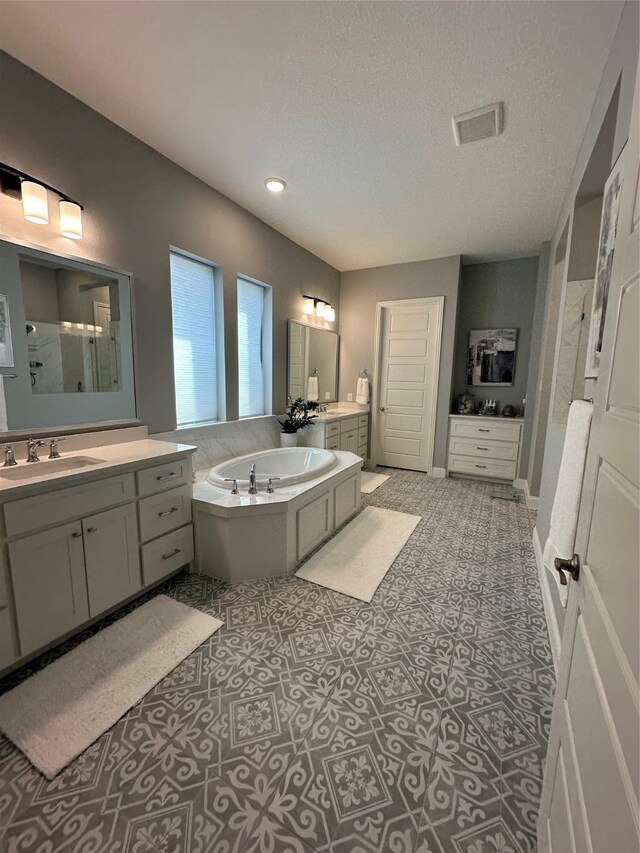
column 313, row 722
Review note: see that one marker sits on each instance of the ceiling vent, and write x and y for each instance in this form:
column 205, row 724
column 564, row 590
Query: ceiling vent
column 478, row 124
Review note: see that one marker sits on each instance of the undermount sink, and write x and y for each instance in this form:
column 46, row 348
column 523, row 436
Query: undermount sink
column 29, row 470
column 334, row 412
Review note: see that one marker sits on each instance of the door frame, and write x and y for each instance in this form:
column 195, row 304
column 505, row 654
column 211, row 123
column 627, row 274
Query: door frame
column 381, row 307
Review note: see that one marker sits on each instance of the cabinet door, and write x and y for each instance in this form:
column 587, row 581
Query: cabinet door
column 349, row 441
column 112, row 557
column 49, row 584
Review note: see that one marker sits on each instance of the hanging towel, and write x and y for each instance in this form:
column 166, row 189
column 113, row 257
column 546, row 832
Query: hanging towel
column 312, row 388
column 566, row 504
column 362, row 391
column 3, row 408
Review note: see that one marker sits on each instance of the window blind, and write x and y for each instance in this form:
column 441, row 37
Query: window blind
column 250, row 368
column 194, row 341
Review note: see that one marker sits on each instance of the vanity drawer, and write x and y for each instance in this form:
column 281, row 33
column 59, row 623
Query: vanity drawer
column 332, row 429
column 486, row 449
column 363, row 436
column 486, row 468
column 166, row 554
column 40, row 511
column 348, row 425
column 363, row 421
column 333, row 444
column 500, row 430
column 362, row 451
column 164, row 476
column 165, row 511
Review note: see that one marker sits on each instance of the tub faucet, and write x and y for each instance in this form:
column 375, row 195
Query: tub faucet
column 253, row 486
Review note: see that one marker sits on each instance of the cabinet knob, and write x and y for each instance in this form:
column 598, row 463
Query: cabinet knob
column 76, row 535
column 91, row 529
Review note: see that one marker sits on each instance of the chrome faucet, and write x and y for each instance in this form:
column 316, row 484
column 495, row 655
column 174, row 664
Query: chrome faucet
column 253, row 486
column 54, row 453
column 32, row 449
column 9, row 458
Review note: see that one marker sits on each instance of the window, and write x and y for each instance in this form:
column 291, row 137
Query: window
column 194, row 341
column 254, row 348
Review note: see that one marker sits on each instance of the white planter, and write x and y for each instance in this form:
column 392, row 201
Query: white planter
column 288, row 439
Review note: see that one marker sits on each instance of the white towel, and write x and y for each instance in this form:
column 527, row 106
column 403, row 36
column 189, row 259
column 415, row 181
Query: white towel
column 312, row 388
column 362, row 391
column 566, row 504
column 3, row 408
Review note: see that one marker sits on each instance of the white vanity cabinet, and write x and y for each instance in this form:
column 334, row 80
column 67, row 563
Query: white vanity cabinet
column 486, row 447
column 75, row 552
column 347, row 431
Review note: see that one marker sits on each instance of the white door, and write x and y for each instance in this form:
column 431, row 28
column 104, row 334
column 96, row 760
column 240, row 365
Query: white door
column 409, row 333
column 112, row 556
column 591, row 785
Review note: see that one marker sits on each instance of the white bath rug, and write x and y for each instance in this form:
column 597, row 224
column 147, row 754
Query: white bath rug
column 356, row 560
column 370, row 482
column 60, row 711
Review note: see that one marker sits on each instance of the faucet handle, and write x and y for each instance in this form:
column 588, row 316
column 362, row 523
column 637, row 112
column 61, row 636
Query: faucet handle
column 270, row 489
column 234, row 488
column 9, row 457
column 53, row 447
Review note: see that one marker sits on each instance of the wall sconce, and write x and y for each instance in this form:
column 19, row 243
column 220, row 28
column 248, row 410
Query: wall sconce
column 321, row 309
column 33, row 194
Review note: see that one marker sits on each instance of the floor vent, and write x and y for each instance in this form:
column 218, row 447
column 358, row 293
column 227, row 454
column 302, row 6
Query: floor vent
column 478, row 124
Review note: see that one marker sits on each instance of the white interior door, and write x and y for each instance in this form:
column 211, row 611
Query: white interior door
column 409, row 333
column 591, row 787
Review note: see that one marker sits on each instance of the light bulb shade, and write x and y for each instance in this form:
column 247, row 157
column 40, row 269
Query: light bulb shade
column 275, row 185
column 34, row 202
column 320, row 306
column 330, row 313
column 308, row 306
column 71, row 220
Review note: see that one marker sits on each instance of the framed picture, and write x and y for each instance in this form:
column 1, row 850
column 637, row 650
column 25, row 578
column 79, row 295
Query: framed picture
column 6, row 348
column 604, row 264
column 492, row 356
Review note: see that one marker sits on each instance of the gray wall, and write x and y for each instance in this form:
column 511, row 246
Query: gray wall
column 584, row 239
column 360, row 290
column 137, row 205
column 494, row 296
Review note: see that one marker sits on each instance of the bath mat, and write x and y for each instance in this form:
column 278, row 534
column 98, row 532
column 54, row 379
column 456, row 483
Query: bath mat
column 356, row 560
column 60, row 711
column 370, row 482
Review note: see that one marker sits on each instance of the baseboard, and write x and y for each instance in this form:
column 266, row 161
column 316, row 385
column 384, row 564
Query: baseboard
column 520, row 484
column 530, row 500
column 439, row 473
column 549, row 611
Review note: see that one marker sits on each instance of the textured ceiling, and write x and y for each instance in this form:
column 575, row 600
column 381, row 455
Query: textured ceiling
column 351, row 103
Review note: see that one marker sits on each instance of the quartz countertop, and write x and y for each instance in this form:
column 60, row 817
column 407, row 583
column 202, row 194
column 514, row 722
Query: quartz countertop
column 488, row 417
column 112, row 459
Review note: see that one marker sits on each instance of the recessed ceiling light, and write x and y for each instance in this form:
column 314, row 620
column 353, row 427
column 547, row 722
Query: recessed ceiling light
column 275, row 185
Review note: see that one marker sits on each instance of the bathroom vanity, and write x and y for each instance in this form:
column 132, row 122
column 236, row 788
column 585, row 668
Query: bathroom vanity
column 82, row 534
column 484, row 447
column 339, row 429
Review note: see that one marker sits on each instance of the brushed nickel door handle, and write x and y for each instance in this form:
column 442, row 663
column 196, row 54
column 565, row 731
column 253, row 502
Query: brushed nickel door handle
column 572, row 566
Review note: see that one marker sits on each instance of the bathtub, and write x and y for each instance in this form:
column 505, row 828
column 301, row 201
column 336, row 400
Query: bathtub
column 243, row 536
column 291, row 465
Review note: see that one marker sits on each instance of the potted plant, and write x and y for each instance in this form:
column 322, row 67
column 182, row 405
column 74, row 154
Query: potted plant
column 297, row 418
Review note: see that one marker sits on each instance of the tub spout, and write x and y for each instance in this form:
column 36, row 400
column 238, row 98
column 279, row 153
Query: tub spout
column 253, row 486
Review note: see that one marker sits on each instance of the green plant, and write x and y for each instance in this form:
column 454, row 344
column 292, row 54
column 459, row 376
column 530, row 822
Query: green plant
column 298, row 416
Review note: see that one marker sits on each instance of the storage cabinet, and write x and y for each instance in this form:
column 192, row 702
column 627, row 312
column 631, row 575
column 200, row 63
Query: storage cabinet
column 347, row 432
column 112, row 557
column 49, row 585
column 75, row 552
column 487, row 447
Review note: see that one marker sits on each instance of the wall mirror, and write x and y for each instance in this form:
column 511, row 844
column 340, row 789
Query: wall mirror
column 66, row 346
column 312, row 352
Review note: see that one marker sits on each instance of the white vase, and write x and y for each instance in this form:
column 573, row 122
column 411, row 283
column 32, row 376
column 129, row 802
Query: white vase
column 288, row 439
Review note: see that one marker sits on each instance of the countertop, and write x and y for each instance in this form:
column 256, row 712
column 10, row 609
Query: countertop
column 518, row 418
column 113, row 459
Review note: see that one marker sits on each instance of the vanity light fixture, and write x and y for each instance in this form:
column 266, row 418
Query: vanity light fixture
column 33, row 194
column 275, row 185
column 321, row 309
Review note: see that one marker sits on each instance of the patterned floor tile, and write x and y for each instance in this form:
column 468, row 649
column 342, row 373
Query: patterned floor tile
column 315, row 723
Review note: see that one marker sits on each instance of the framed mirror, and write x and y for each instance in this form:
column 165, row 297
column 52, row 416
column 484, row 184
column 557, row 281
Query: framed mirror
column 67, row 326
column 312, row 352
